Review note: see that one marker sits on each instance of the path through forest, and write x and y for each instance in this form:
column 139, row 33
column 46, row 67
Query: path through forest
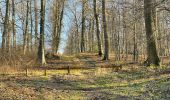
column 94, row 82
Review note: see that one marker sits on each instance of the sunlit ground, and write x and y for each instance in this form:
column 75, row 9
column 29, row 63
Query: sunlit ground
column 99, row 83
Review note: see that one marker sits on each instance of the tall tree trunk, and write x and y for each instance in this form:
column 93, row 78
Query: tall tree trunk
column 77, row 35
column 36, row 22
column 13, row 24
column 134, row 44
column 60, row 26
column 151, row 46
column 25, row 44
column 41, row 48
column 6, row 23
column 106, row 42
column 8, row 42
column 97, row 27
column 118, row 35
column 135, row 33
column 125, row 29
column 83, row 27
column 31, row 19
column 57, row 25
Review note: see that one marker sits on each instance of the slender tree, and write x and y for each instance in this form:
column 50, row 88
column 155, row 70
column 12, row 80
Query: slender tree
column 97, row 28
column 41, row 48
column 57, row 24
column 36, row 22
column 106, row 42
column 13, row 24
column 83, row 26
column 31, row 27
column 25, row 44
column 6, row 22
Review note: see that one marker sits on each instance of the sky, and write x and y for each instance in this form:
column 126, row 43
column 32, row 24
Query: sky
column 67, row 22
column 65, row 29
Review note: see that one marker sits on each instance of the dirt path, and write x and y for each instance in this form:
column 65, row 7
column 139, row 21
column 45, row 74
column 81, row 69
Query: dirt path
column 87, row 61
column 94, row 83
column 80, row 62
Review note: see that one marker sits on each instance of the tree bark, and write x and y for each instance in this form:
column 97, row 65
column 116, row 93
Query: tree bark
column 97, row 27
column 13, row 24
column 57, row 25
column 41, row 48
column 83, row 27
column 6, row 22
column 106, row 42
column 60, row 26
column 25, row 44
column 31, row 19
column 151, row 46
column 36, row 22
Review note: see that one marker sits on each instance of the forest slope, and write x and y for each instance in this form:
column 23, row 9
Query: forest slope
column 130, row 82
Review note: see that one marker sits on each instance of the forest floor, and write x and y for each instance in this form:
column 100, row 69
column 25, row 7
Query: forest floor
column 90, row 78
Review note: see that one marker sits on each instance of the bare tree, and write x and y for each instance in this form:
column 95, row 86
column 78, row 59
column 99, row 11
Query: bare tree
column 25, row 44
column 97, row 28
column 36, row 21
column 106, row 42
column 6, row 22
column 41, row 48
column 13, row 24
column 151, row 46
column 31, row 26
column 57, row 24
column 83, row 26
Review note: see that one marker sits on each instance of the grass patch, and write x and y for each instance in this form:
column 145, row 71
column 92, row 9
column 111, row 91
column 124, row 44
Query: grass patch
column 130, row 82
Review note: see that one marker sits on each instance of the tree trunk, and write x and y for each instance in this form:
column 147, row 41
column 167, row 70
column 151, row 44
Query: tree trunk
column 57, row 25
column 151, row 46
column 83, row 27
column 31, row 19
column 36, row 22
column 26, row 30
column 106, row 42
column 60, row 26
column 97, row 27
column 41, row 48
column 13, row 24
column 135, row 33
column 6, row 23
